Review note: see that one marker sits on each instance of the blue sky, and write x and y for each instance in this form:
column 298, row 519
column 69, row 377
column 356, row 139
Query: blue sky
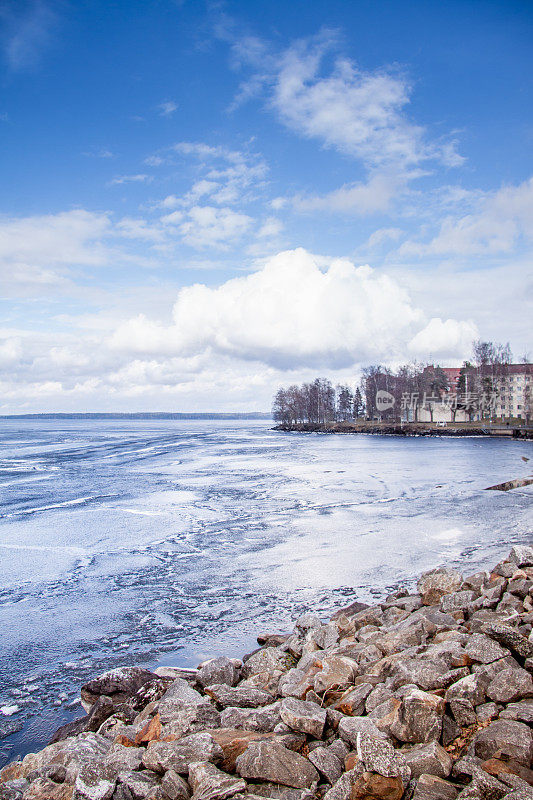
column 191, row 193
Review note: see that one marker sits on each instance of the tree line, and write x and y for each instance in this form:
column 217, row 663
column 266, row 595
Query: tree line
column 413, row 387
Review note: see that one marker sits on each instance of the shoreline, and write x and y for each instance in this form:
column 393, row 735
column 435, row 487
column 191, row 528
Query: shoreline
column 409, row 429
column 416, row 697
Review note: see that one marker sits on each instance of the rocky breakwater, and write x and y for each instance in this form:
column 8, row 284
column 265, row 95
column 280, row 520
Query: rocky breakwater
column 423, row 696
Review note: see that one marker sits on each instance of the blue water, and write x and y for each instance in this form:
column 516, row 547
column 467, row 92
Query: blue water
column 164, row 542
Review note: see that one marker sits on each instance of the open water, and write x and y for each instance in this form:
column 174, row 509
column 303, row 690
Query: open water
column 165, row 542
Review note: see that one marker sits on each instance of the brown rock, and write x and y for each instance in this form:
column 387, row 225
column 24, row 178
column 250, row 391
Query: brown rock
column 234, row 741
column 499, row 768
column 270, row 761
column 433, row 585
column 150, row 732
column 335, row 671
column 353, row 701
column 11, row 772
column 370, row 786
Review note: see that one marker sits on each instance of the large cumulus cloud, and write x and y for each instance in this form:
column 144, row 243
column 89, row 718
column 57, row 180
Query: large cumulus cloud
column 298, row 311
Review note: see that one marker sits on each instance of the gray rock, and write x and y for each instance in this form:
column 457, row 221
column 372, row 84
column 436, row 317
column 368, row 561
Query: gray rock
column 522, row 555
column 174, row 786
column 210, row 783
column 428, row 759
column 378, row 755
column 177, row 755
column 511, row 638
column 306, row 622
column 218, row 670
column 522, row 711
column 241, row 697
column 180, row 690
column 271, row 761
column 124, row 759
column 431, row 787
column 433, row 585
column 327, row 763
column 85, row 749
column 505, row 739
column 351, row 727
column 94, row 783
column 262, row 719
column 419, row 717
column 489, row 711
column 118, row 684
column 303, row 717
column 484, row 649
column 463, row 696
column 378, row 695
column 267, row 659
column 510, row 685
column 342, row 789
column 180, row 718
column 456, row 601
column 139, row 784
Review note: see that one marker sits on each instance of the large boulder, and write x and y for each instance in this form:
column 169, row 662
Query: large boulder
column 269, row 761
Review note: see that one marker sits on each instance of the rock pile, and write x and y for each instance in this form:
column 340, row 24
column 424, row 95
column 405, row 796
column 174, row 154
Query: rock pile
column 423, row 696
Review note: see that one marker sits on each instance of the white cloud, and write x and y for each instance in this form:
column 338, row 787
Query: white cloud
column 139, row 178
column 501, row 219
column 167, row 108
column 359, row 198
column 10, row 351
column 53, row 239
column 443, row 339
column 291, row 314
column 210, row 226
column 382, row 235
column 359, row 113
column 27, row 31
column 272, row 226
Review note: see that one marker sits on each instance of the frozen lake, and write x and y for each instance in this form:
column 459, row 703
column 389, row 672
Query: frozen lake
column 165, row 542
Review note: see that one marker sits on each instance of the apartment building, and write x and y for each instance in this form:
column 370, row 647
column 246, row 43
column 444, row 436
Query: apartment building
column 515, row 392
